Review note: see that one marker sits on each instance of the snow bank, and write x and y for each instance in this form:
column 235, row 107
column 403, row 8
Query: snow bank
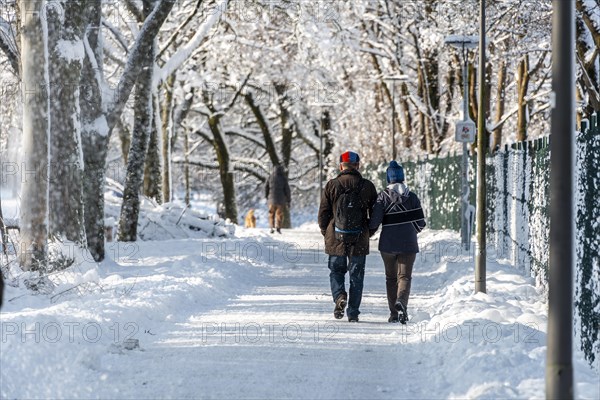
column 166, row 221
column 256, row 310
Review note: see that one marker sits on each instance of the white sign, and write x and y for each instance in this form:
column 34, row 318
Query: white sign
column 465, row 131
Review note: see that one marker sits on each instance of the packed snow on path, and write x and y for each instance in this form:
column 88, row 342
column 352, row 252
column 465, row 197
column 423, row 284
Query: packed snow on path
column 251, row 317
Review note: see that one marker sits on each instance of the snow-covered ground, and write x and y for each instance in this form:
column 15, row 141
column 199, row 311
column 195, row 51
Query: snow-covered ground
column 251, row 317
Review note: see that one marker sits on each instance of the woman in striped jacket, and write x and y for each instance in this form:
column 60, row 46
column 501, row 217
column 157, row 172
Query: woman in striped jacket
column 399, row 211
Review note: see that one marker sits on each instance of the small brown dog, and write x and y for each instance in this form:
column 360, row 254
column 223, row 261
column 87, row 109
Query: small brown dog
column 250, row 221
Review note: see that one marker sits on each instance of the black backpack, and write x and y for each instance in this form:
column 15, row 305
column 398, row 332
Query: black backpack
column 349, row 214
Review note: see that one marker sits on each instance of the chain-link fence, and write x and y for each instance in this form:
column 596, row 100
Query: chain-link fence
column 587, row 274
column 518, row 184
column 437, row 181
column 518, row 219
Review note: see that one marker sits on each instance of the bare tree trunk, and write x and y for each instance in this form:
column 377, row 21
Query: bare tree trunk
column 587, row 57
column 500, row 102
column 137, row 154
column 432, row 99
column 286, row 136
column 66, row 53
column 179, row 114
column 472, row 76
column 225, row 169
column 34, row 185
column 424, row 128
column 286, row 145
column 522, row 87
column 264, row 128
column 94, row 131
column 407, row 117
column 167, row 133
column 152, row 169
column 3, row 236
column 451, row 81
column 142, row 130
column 125, row 138
column 186, row 166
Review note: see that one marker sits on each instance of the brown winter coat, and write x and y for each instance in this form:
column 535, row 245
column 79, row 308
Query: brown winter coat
column 331, row 192
column 277, row 189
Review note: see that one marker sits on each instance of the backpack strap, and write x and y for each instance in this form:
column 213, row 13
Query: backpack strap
column 360, row 185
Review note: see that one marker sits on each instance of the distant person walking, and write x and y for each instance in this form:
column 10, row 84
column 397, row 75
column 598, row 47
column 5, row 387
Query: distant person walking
column 278, row 197
column 399, row 211
column 344, row 221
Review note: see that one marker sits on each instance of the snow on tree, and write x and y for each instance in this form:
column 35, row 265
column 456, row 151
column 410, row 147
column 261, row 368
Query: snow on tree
column 36, row 132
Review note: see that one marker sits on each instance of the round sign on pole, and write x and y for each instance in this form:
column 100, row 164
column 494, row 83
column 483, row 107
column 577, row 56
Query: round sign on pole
column 465, row 131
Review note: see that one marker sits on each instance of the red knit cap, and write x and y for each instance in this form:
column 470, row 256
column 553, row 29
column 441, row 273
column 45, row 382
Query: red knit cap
column 349, row 157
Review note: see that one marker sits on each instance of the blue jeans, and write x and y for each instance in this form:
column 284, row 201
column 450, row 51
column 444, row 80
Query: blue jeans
column 338, row 265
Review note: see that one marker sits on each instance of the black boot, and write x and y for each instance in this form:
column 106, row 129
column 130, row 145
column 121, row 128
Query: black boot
column 340, row 306
column 403, row 315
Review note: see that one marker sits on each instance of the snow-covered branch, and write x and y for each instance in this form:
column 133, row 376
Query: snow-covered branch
column 134, row 10
column 8, row 46
column 134, row 63
column 180, row 29
column 117, row 35
column 237, row 165
column 245, row 135
column 185, row 52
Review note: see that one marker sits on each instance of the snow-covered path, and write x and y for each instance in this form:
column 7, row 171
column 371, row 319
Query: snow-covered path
column 252, row 318
column 281, row 341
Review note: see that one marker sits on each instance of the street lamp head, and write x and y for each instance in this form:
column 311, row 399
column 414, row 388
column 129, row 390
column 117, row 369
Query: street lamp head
column 461, row 41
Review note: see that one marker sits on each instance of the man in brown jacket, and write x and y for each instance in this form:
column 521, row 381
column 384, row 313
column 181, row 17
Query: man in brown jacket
column 277, row 191
column 347, row 247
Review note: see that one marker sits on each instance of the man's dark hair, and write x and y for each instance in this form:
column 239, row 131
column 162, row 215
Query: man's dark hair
column 347, row 165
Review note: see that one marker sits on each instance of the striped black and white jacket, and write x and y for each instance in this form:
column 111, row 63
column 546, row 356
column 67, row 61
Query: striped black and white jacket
column 399, row 211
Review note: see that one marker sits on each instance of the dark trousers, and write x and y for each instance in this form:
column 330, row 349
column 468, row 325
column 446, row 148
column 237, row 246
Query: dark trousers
column 355, row 266
column 398, row 276
column 275, row 215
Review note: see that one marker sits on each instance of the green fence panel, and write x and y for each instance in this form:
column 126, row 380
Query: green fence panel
column 437, row 182
column 587, row 274
column 539, row 210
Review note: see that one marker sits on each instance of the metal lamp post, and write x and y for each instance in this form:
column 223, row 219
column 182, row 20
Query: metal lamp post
column 465, row 133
